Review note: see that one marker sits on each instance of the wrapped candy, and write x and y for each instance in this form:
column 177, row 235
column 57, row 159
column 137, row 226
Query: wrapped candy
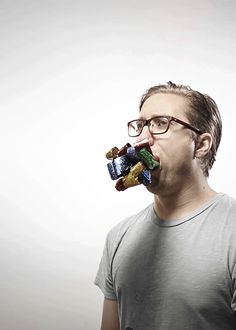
column 131, row 165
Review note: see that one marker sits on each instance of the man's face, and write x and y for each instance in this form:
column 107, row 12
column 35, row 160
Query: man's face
column 175, row 148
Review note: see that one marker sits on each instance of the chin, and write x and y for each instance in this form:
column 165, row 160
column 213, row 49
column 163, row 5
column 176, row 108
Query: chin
column 158, row 186
column 153, row 187
column 155, row 184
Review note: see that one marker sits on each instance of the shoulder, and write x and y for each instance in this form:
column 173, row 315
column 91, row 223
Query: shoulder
column 225, row 217
column 117, row 233
column 227, row 204
column 228, row 233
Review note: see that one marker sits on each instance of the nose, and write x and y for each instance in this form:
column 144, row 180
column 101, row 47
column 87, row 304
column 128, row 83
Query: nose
column 145, row 135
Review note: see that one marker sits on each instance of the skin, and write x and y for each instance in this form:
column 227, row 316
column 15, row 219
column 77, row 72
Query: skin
column 110, row 318
column 179, row 185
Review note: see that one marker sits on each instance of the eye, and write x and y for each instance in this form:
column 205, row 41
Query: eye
column 135, row 127
column 159, row 122
column 139, row 124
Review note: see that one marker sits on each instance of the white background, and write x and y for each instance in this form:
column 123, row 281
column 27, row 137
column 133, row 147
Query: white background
column 71, row 76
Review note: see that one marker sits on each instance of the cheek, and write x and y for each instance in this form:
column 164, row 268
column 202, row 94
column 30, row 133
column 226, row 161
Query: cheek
column 176, row 153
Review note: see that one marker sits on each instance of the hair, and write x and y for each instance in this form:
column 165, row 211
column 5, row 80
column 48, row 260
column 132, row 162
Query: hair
column 203, row 114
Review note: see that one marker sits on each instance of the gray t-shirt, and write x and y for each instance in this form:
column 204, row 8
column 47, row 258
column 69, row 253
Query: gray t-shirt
column 173, row 274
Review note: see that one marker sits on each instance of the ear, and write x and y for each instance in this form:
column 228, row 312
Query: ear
column 203, row 145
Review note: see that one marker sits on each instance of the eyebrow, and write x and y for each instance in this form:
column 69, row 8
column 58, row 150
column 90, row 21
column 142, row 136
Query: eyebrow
column 154, row 116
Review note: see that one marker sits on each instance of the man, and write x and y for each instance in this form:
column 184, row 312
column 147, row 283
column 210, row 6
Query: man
column 172, row 266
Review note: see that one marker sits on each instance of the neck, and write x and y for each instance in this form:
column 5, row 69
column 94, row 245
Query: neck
column 185, row 200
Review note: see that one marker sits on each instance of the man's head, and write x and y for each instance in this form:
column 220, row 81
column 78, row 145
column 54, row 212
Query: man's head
column 202, row 113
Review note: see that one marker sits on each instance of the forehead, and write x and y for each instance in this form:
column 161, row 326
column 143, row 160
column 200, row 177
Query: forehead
column 164, row 104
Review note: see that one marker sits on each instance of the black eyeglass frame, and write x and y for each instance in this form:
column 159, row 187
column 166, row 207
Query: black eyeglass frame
column 170, row 119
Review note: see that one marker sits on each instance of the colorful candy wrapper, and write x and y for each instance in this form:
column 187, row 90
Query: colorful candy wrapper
column 131, row 165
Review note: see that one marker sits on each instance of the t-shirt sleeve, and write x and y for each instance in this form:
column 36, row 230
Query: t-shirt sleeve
column 232, row 259
column 233, row 273
column 104, row 275
column 233, row 304
column 104, row 278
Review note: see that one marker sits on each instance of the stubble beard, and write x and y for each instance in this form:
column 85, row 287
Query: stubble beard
column 168, row 184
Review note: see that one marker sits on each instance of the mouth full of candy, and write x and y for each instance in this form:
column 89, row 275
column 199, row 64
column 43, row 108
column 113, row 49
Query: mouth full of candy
column 131, row 165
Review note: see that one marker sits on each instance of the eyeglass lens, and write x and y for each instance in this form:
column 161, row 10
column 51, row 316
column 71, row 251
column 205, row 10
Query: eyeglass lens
column 156, row 125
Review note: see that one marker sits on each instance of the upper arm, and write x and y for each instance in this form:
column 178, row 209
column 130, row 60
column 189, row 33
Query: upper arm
column 110, row 316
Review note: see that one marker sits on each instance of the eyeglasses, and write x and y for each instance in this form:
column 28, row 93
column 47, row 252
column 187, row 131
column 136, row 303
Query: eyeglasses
column 156, row 125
